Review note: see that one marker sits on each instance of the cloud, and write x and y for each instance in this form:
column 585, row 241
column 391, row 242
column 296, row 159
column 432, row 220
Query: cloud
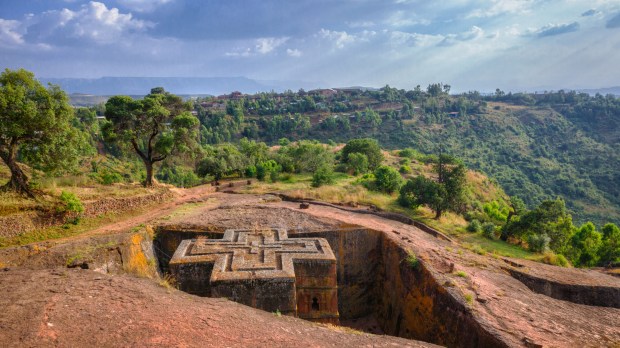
column 9, row 32
column 293, row 52
column 400, row 38
column 261, row 46
column 92, row 23
column 500, row 7
column 590, row 12
column 143, row 5
column 472, row 34
column 361, row 24
column 266, row 45
column 339, row 38
column 614, row 22
column 557, row 29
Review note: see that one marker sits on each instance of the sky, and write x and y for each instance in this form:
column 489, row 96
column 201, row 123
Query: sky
column 516, row 45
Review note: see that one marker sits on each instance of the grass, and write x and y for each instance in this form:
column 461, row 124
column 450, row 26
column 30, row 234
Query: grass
column 412, row 260
column 343, row 191
column 461, row 274
column 469, row 298
column 67, row 230
column 497, row 247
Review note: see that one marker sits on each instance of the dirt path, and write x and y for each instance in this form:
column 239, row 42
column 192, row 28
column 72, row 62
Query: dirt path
column 181, row 197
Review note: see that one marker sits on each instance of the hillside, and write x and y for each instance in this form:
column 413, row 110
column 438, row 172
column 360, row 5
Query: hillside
column 536, row 146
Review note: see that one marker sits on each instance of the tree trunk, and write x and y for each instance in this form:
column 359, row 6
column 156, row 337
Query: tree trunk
column 19, row 180
column 149, row 174
column 438, row 214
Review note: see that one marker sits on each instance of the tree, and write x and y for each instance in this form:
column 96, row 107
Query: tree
column 550, row 218
column 586, row 244
column 387, row 179
column 324, row 175
column 35, row 126
column 447, row 193
column 357, row 163
column 610, row 250
column 365, row 146
column 156, row 127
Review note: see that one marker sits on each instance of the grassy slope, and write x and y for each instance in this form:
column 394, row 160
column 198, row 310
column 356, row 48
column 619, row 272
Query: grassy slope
column 533, row 152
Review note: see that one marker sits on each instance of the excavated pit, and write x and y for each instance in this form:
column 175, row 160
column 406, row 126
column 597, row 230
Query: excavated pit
column 378, row 292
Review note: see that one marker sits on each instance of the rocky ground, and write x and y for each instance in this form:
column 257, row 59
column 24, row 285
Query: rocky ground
column 44, row 305
column 83, row 308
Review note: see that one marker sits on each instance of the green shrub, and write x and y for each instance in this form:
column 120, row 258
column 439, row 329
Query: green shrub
column 323, row 176
column 461, row 274
column 72, row 205
column 552, row 258
column 108, row 178
column 357, row 163
column 412, row 260
column 405, row 169
column 538, row 242
column 488, row 230
column 367, row 180
column 474, row 226
column 387, row 179
column 407, row 153
column 260, row 172
column 250, row 171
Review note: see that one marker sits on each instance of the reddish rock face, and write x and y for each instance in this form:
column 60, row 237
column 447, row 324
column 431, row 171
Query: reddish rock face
column 263, row 269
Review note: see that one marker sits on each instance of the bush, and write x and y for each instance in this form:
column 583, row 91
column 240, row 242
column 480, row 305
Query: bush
column 108, row 178
column 368, row 147
column 412, row 260
column 387, row 179
column 323, row 176
column 357, row 163
column 474, row 226
column 250, row 171
column 407, row 153
column 260, row 172
column 367, row 180
column 72, row 205
column 488, row 230
column 405, row 169
column 551, row 258
column 538, row 242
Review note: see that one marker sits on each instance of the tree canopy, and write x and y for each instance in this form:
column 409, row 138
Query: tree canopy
column 365, row 146
column 35, row 127
column 156, row 127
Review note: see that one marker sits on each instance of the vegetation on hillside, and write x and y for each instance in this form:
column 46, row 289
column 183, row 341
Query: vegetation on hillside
column 524, row 141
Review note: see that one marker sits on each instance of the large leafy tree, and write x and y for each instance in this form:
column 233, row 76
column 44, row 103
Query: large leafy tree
column 155, row 127
column 35, row 127
column 550, row 218
column 447, row 193
column 366, row 146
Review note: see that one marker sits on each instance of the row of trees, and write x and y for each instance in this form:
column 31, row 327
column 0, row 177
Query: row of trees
column 550, row 227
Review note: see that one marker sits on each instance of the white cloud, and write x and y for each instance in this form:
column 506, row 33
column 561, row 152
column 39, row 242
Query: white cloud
column 405, row 19
column 339, row 38
column 293, row 52
column 500, row 7
column 473, row 34
column 93, row 22
column 9, row 32
column 261, row 46
column 268, row 44
column 399, row 38
column 361, row 24
column 143, row 5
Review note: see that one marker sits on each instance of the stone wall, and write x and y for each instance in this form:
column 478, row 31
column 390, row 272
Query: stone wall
column 15, row 224
column 605, row 296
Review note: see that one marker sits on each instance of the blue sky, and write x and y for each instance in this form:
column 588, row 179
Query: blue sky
column 470, row 44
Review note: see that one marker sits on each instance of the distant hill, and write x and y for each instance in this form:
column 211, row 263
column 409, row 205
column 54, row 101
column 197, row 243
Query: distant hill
column 178, row 85
column 603, row 91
